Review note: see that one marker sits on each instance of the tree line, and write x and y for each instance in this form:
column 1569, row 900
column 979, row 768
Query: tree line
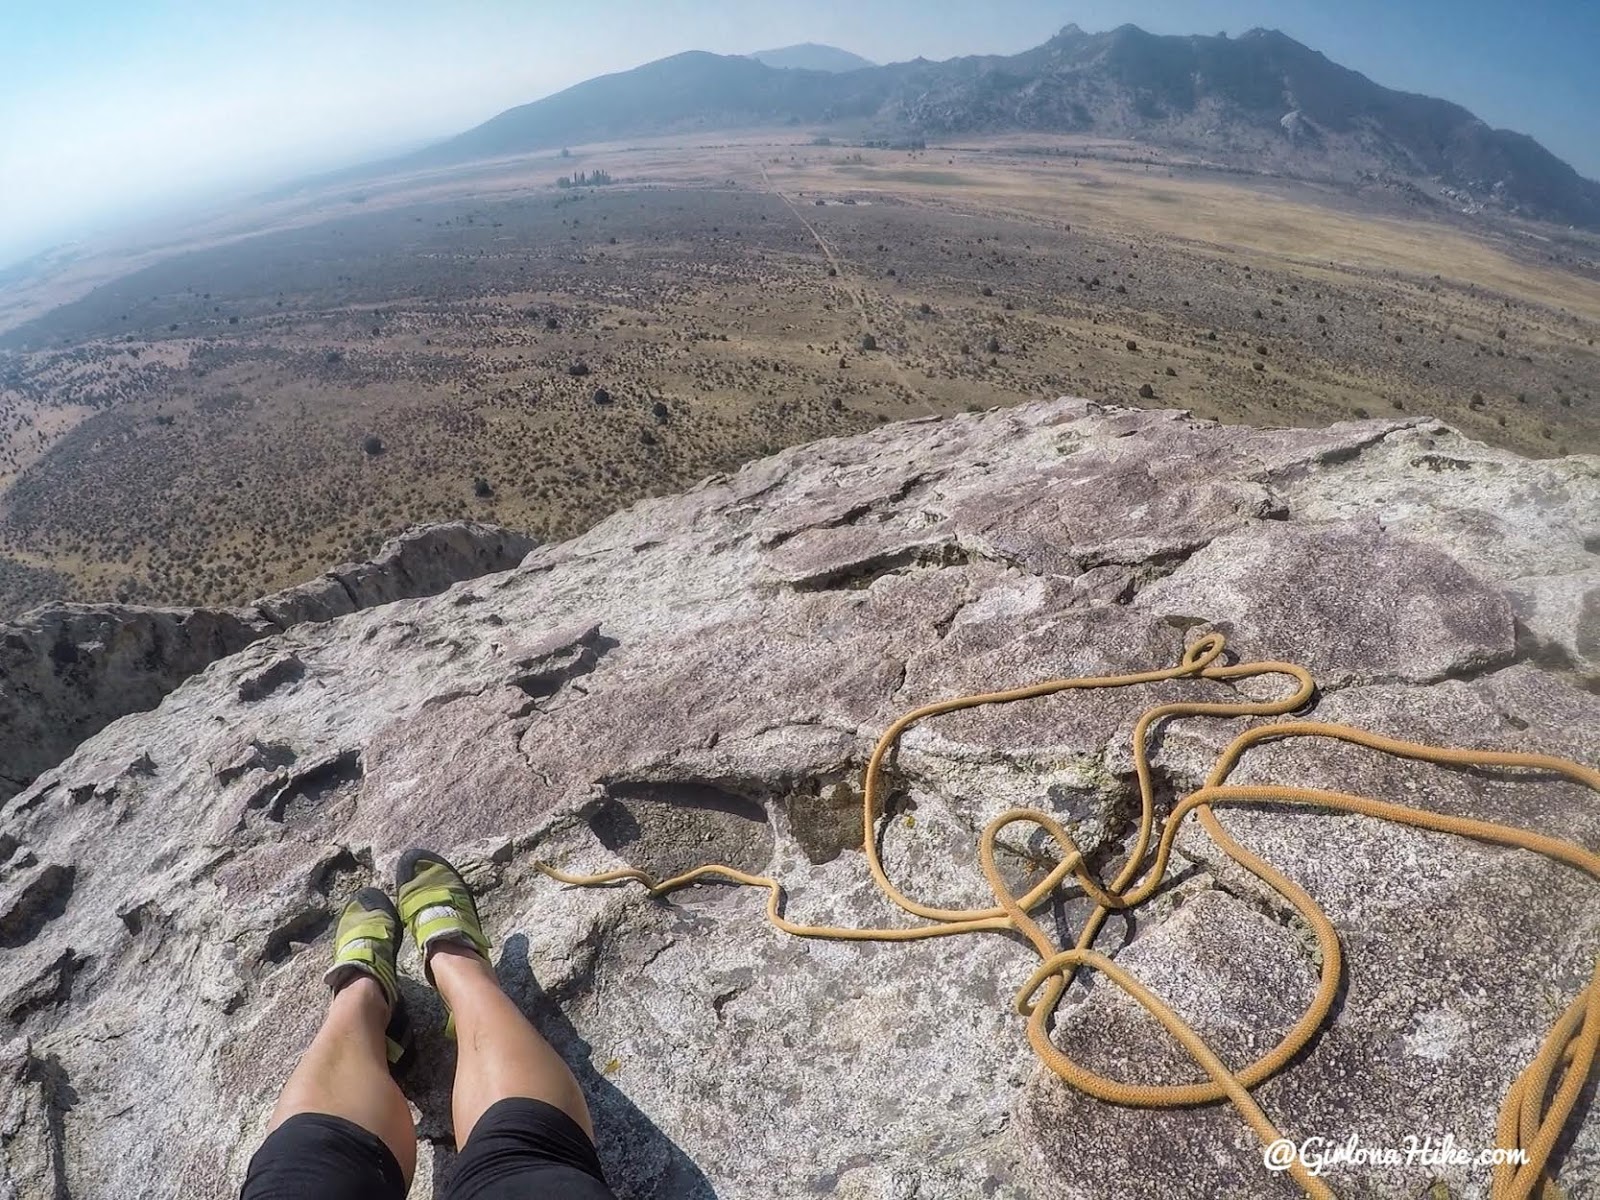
column 595, row 178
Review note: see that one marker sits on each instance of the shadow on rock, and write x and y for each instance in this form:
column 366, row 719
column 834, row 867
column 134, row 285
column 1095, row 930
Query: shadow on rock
column 641, row 1162
column 59, row 1097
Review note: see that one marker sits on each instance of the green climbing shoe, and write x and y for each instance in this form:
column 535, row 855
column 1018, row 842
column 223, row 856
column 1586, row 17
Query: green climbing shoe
column 436, row 905
column 367, row 943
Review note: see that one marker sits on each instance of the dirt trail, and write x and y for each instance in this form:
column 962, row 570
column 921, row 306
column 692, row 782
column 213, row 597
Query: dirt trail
column 857, row 295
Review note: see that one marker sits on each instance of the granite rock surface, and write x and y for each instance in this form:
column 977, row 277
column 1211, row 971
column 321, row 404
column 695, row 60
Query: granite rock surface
column 702, row 677
column 69, row 670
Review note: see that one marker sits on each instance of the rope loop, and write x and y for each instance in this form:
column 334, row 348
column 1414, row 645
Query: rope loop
column 1541, row 1101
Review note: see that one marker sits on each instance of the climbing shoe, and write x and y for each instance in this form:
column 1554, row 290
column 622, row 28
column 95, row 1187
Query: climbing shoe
column 366, row 944
column 436, row 905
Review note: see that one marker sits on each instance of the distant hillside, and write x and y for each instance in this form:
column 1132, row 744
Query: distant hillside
column 689, row 90
column 810, row 56
column 1262, row 101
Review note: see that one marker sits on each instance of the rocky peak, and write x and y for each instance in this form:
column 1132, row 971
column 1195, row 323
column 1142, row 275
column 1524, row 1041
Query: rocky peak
column 702, row 677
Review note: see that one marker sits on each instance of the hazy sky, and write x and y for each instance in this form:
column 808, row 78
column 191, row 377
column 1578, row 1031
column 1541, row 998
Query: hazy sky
column 111, row 108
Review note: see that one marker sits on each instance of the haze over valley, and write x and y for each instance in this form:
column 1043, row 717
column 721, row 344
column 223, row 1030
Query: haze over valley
column 658, row 274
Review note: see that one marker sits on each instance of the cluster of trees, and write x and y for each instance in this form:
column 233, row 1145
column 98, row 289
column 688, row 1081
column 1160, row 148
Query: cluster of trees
column 595, row 178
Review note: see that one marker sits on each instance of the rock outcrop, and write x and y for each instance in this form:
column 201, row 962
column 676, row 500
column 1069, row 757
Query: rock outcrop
column 421, row 562
column 69, row 670
column 702, row 677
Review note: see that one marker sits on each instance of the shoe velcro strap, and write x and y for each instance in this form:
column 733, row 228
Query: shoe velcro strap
column 362, row 957
column 450, row 928
column 413, row 902
column 360, row 953
column 373, row 926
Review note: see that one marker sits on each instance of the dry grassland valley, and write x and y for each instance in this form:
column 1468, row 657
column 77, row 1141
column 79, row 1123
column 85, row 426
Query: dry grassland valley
column 538, row 340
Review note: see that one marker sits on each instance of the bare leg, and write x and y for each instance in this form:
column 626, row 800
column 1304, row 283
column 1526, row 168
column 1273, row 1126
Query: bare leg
column 499, row 1053
column 345, row 1072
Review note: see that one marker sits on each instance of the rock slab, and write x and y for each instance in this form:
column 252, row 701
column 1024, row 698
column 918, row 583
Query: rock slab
column 703, row 676
column 69, row 670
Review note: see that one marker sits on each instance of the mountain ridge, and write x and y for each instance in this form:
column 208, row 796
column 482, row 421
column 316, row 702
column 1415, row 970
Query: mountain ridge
column 812, row 56
column 1262, row 101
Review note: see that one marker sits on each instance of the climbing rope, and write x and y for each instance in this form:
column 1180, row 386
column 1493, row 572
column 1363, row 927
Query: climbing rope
column 1541, row 1099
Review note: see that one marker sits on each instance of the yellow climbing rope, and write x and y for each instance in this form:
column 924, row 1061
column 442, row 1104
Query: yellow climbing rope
column 1540, row 1100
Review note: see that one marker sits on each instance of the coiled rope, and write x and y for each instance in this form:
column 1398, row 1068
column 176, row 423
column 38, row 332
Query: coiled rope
column 1540, row 1100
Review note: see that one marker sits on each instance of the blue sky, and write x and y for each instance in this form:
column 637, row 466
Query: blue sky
column 111, row 109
